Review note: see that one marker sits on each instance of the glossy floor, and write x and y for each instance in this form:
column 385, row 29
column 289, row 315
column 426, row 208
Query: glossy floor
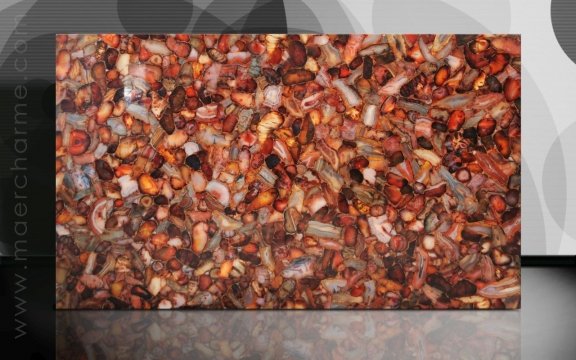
column 542, row 329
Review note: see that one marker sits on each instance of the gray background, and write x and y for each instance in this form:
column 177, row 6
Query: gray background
column 548, row 74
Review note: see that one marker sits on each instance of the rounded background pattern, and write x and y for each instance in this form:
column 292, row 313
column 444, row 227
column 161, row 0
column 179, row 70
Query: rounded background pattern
column 563, row 13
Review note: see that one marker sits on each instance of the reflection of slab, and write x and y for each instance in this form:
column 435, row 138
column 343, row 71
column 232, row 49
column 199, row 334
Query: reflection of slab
column 309, row 334
column 546, row 317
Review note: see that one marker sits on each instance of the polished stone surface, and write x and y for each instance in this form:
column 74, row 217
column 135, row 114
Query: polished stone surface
column 543, row 329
